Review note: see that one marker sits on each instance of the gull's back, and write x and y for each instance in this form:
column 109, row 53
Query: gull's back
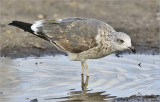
column 72, row 35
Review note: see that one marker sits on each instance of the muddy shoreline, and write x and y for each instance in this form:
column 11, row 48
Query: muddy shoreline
column 19, row 52
column 138, row 98
column 133, row 98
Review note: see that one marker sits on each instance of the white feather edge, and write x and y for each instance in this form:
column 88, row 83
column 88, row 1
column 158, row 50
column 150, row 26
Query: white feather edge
column 37, row 24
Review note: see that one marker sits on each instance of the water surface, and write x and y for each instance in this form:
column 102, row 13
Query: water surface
column 51, row 79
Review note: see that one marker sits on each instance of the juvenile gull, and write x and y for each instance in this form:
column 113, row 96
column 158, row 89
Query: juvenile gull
column 81, row 38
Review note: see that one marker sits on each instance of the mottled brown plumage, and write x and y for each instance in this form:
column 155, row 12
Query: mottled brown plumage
column 73, row 35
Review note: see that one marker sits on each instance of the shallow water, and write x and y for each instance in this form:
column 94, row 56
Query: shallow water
column 51, row 79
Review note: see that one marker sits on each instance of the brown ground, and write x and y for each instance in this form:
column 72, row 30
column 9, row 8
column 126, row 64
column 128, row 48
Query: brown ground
column 139, row 19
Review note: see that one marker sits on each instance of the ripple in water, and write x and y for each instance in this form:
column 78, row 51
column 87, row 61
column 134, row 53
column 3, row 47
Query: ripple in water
column 58, row 79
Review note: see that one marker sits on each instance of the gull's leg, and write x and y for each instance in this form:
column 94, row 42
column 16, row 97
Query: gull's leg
column 82, row 81
column 82, row 64
column 84, row 85
column 86, row 68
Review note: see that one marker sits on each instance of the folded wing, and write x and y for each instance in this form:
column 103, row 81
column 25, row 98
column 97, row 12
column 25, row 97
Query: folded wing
column 72, row 35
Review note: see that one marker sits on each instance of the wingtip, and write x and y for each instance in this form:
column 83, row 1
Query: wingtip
column 12, row 23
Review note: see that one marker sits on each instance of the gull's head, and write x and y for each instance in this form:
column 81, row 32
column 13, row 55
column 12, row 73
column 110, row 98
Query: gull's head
column 122, row 42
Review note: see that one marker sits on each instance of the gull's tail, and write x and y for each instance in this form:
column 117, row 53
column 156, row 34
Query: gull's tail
column 26, row 27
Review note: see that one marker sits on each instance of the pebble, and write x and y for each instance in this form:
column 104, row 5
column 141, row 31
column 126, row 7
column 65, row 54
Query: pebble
column 40, row 16
column 8, row 32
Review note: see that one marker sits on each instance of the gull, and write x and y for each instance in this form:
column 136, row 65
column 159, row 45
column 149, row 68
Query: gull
column 81, row 38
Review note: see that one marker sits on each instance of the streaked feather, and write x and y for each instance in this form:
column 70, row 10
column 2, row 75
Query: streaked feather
column 75, row 34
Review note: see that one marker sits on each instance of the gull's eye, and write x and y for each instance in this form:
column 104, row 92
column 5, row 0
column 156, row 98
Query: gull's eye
column 120, row 41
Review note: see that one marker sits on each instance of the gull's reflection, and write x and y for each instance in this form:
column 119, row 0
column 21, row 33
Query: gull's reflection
column 85, row 94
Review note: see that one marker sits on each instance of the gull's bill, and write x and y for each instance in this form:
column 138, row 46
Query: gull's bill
column 132, row 49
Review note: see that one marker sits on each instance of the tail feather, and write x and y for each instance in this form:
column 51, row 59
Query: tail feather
column 26, row 27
